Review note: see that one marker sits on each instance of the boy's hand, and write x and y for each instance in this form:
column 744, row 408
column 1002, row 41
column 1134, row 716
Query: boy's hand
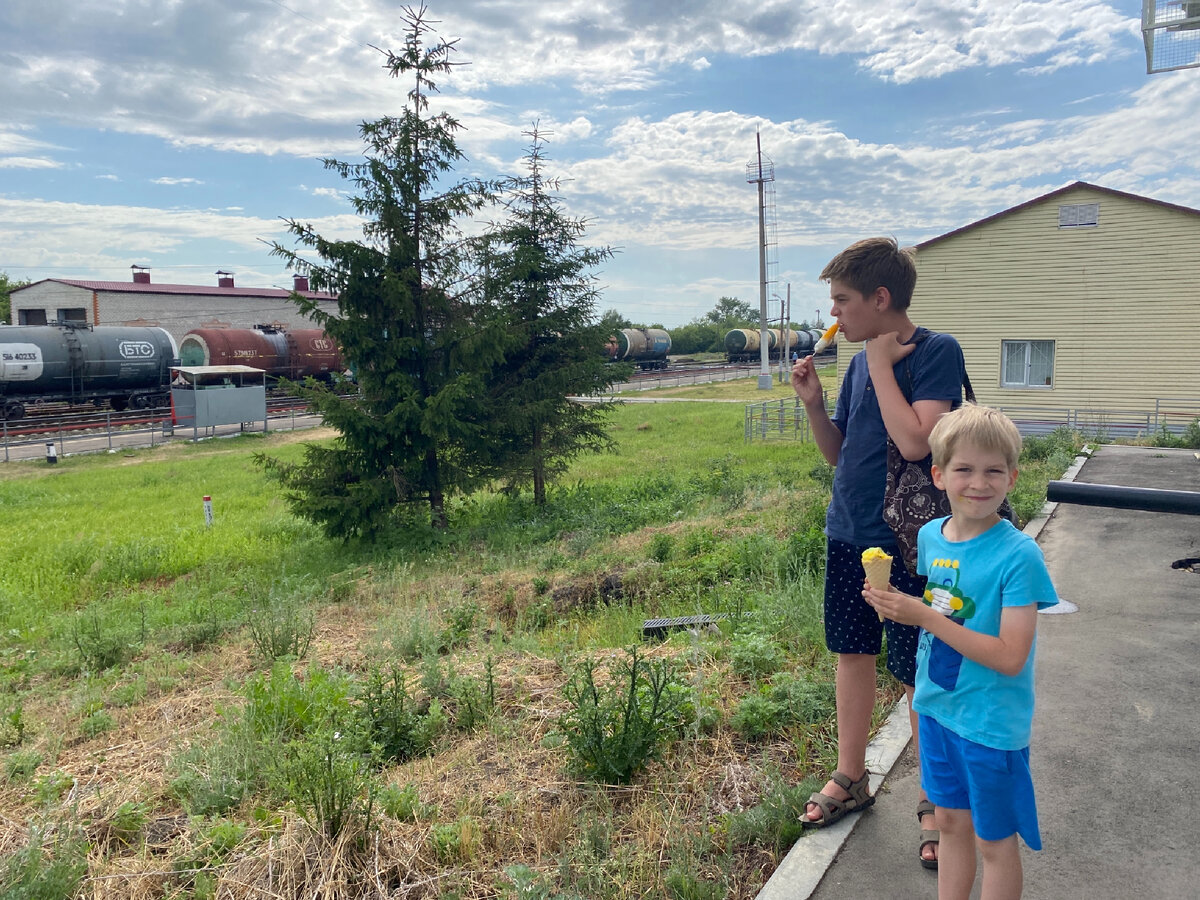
column 887, row 349
column 902, row 608
column 805, row 382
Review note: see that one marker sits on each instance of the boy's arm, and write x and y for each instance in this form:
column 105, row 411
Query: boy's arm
column 909, row 426
column 1006, row 653
column 808, row 388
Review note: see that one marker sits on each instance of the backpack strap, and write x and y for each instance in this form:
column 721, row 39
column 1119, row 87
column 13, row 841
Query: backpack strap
column 918, row 336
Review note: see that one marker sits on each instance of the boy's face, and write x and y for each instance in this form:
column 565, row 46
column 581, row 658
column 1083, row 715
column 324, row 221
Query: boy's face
column 858, row 314
column 976, row 482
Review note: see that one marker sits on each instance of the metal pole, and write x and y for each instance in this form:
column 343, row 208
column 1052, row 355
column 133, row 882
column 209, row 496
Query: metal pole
column 1116, row 497
column 764, row 375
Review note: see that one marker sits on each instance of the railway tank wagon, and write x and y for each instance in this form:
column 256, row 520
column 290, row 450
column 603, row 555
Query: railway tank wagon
column 648, row 347
column 743, row 344
column 124, row 366
column 288, row 354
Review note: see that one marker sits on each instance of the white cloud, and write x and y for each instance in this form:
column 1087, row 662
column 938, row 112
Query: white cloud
column 174, row 181
column 28, row 162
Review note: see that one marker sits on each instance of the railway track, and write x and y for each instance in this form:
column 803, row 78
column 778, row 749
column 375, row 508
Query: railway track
column 86, row 418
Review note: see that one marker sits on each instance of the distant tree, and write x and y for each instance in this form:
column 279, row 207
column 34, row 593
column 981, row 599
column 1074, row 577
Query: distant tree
column 538, row 280
column 732, row 312
column 412, row 338
column 7, row 286
column 697, row 337
column 614, row 321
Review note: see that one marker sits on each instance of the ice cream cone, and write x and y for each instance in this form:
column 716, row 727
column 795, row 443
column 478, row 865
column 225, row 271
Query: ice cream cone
column 878, row 566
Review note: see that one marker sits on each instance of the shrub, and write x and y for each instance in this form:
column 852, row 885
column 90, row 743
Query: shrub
column 612, row 732
column 100, row 645
column 662, row 546
column 38, row 871
column 330, row 783
column 753, row 655
column 390, row 718
column 280, row 628
column 404, row 804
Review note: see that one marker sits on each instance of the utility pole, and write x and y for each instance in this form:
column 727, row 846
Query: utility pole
column 760, row 174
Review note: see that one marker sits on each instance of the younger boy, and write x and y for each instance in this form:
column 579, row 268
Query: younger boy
column 974, row 692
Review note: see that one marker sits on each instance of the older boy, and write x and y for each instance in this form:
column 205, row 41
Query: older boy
column 895, row 386
column 974, row 692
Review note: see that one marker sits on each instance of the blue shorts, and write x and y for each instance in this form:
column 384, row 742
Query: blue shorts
column 851, row 623
column 995, row 785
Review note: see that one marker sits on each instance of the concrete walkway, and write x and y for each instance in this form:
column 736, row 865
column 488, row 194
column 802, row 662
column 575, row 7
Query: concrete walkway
column 1117, row 730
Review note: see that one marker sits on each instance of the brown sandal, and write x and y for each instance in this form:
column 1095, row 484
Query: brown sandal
column 928, row 835
column 833, row 809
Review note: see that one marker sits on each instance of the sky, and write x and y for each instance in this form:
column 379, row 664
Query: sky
column 181, row 134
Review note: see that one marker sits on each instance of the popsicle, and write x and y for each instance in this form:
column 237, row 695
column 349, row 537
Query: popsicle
column 826, row 338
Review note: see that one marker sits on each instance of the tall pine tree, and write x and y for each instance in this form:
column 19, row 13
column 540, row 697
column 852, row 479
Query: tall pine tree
column 539, row 282
column 411, row 335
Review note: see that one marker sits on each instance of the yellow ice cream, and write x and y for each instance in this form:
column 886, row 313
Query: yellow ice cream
column 878, row 566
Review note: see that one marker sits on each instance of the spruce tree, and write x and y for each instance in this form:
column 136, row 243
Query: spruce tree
column 406, row 328
column 539, row 282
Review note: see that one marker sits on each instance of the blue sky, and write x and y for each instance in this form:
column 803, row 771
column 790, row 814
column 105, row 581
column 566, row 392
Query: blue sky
column 179, row 133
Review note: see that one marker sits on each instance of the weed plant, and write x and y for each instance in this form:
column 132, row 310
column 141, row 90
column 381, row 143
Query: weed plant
column 615, row 730
column 49, row 867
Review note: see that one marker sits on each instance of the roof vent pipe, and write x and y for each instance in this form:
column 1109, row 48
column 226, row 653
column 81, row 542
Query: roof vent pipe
column 141, row 274
column 224, row 279
column 300, row 284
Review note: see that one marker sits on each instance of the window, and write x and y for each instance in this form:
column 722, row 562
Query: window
column 31, row 317
column 1079, row 215
column 1027, row 364
column 74, row 314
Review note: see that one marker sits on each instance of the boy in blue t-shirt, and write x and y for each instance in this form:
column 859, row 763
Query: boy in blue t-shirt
column 974, row 693
column 898, row 385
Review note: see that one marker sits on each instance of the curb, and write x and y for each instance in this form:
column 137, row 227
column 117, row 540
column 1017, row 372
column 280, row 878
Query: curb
column 798, row 875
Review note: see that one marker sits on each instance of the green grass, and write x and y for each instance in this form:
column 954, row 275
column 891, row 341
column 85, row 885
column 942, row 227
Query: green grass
column 126, row 623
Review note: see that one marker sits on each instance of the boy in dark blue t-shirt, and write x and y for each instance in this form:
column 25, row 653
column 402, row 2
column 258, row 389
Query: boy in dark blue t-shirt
column 895, row 386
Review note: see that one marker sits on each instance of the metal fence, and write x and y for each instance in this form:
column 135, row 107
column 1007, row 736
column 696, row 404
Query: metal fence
column 787, row 419
column 78, row 434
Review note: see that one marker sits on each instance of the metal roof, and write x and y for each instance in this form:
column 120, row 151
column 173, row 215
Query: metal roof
column 135, row 287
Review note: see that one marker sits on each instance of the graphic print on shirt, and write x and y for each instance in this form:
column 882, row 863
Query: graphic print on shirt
column 942, row 593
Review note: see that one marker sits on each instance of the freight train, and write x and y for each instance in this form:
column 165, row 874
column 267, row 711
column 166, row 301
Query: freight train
column 744, row 344
column 130, row 367
column 648, row 347
column 124, row 366
column 298, row 354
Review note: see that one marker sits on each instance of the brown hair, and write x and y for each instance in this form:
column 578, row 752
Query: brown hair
column 980, row 426
column 876, row 262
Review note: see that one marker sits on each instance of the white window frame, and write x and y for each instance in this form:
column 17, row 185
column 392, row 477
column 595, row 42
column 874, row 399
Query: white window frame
column 1007, row 379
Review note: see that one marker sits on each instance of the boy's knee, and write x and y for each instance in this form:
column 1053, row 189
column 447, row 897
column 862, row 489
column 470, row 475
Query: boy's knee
column 997, row 851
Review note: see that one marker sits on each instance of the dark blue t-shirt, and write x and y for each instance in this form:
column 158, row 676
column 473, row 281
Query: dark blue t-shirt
column 855, row 514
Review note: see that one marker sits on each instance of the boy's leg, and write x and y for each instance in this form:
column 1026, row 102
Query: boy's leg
column 855, row 702
column 1002, row 873
column 853, row 632
column 956, row 860
column 929, row 821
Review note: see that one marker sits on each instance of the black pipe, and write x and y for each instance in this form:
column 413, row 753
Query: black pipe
column 1149, row 499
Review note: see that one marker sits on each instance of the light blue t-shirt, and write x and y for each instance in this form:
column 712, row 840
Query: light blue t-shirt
column 972, row 581
column 855, row 514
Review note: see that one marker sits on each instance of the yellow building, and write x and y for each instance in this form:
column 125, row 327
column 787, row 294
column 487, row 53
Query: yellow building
column 1081, row 306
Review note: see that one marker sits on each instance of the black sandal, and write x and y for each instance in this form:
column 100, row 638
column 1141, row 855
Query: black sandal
column 833, row 809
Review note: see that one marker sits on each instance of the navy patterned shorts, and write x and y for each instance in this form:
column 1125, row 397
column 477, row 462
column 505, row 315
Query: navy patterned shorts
column 852, row 625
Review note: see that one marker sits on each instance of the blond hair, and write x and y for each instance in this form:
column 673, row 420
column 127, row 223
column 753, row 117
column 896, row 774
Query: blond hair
column 980, row 426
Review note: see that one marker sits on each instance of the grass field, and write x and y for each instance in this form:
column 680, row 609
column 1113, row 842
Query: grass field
column 249, row 709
